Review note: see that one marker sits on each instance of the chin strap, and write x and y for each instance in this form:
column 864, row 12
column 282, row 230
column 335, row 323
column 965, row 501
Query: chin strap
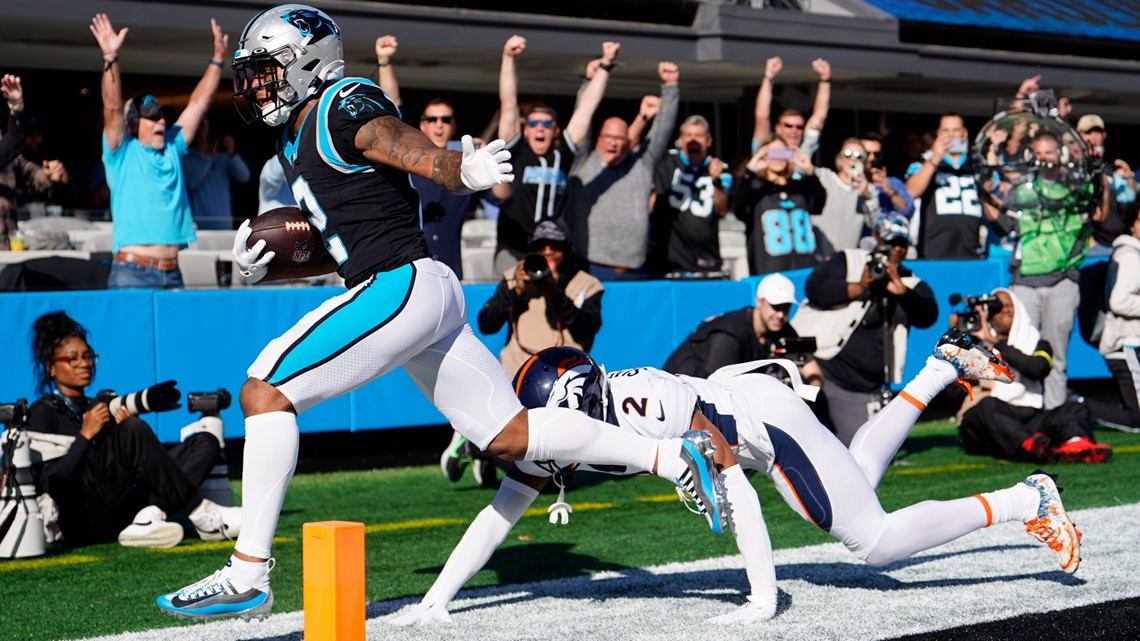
column 560, row 510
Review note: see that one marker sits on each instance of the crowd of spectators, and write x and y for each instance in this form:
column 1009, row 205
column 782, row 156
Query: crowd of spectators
column 647, row 198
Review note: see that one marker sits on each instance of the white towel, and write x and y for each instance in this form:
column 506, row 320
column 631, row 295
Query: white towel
column 1023, row 337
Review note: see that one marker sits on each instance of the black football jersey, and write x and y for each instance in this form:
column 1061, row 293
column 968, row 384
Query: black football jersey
column 368, row 213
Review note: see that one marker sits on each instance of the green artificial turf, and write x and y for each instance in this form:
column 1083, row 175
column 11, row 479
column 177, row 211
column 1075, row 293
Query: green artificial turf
column 418, row 517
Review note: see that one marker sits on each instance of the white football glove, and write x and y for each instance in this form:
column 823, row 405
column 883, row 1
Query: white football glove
column 485, row 167
column 252, row 265
column 422, row 614
column 753, row 611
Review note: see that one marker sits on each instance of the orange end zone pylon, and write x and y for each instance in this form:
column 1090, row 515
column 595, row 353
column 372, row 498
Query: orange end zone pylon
column 333, row 567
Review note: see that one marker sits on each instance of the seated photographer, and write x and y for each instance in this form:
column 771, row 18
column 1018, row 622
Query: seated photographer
column 855, row 298
column 116, row 480
column 1008, row 420
column 749, row 334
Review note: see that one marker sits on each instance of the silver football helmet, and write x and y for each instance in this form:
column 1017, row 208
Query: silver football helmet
column 284, row 55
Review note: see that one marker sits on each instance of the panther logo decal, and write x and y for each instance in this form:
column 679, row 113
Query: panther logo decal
column 356, row 105
column 311, row 24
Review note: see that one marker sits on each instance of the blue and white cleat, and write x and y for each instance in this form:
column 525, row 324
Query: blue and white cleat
column 217, row 597
column 700, row 483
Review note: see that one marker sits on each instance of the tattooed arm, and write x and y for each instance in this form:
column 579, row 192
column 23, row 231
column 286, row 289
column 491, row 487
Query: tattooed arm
column 387, row 140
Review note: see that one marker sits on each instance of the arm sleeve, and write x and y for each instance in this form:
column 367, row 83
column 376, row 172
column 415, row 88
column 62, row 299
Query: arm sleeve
column 497, row 309
column 751, row 535
column 826, row 285
column 238, row 170
column 1035, row 366
column 662, row 128
column 920, row 305
column 485, row 533
column 345, row 117
column 13, row 141
column 43, row 419
column 1124, row 299
column 816, row 195
column 721, row 349
column 585, row 321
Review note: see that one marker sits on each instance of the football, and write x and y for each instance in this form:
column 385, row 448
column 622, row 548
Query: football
column 287, row 232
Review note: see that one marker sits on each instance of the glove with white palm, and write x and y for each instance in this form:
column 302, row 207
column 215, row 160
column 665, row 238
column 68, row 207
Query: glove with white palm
column 250, row 261
column 485, row 167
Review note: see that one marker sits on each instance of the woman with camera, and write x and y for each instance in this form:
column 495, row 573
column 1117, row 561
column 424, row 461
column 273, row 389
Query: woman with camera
column 115, row 480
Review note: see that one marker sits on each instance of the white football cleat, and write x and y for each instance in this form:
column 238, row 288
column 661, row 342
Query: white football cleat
column 422, row 614
column 753, row 611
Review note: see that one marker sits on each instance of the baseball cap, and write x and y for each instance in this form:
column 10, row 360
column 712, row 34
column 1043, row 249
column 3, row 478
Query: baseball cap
column 893, row 230
column 548, row 231
column 1088, row 122
column 776, row 289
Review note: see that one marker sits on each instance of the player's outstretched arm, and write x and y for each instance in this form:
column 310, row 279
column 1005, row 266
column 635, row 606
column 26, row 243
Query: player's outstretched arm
column 517, row 492
column 391, row 142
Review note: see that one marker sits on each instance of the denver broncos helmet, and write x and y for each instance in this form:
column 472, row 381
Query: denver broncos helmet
column 287, row 51
column 563, row 377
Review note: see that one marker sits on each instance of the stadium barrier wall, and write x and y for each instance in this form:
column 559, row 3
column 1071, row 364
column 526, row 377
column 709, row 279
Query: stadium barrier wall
column 205, row 339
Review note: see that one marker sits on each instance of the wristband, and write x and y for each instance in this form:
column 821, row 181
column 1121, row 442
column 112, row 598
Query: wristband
column 16, row 107
column 216, row 63
column 108, row 61
column 607, row 66
column 825, row 82
column 383, row 64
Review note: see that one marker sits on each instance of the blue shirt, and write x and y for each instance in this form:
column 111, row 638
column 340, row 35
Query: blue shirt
column 208, row 183
column 886, row 203
column 149, row 205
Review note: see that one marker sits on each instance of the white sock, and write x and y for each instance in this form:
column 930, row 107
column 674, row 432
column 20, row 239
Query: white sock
column 880, row 438
column 1018, row 503
column 932, row 379
column 271, row 444
column 569, row 435
column 252, row 573
column 669, row 463
column 481, row 539
column 751, row 536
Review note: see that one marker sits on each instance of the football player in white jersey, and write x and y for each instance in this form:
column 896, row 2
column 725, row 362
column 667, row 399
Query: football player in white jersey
column 770, row 429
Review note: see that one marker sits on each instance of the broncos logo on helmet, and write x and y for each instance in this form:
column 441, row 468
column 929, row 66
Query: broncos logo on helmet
column 563, row 377
column 311, row 23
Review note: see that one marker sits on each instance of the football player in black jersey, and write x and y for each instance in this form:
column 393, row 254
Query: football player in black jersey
column 347, row 157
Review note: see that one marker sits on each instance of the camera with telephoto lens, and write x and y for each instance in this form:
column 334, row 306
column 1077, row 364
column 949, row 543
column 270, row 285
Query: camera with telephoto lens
column 208, row 403
column 877, row 264
column 14, row 414
column 970, row 319
column 156, row 398
column 537, row 268
column 797, row 349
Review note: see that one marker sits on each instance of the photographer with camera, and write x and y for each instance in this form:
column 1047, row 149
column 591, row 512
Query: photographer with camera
column 549, row 301
column 116, row 480
column 749, row 334
column 860, row 306
column 894, row 199
column 1009, row 420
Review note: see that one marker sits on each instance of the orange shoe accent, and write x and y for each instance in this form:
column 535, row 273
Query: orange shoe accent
column 966, row 386
column 1069, row 559
column 989, row 512
column 912, row 400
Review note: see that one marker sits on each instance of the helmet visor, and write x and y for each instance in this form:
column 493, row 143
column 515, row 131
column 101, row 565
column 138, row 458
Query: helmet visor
column 257, row 81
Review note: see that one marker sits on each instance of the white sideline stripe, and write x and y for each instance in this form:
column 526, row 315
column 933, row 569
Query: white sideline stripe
column 826, row 593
